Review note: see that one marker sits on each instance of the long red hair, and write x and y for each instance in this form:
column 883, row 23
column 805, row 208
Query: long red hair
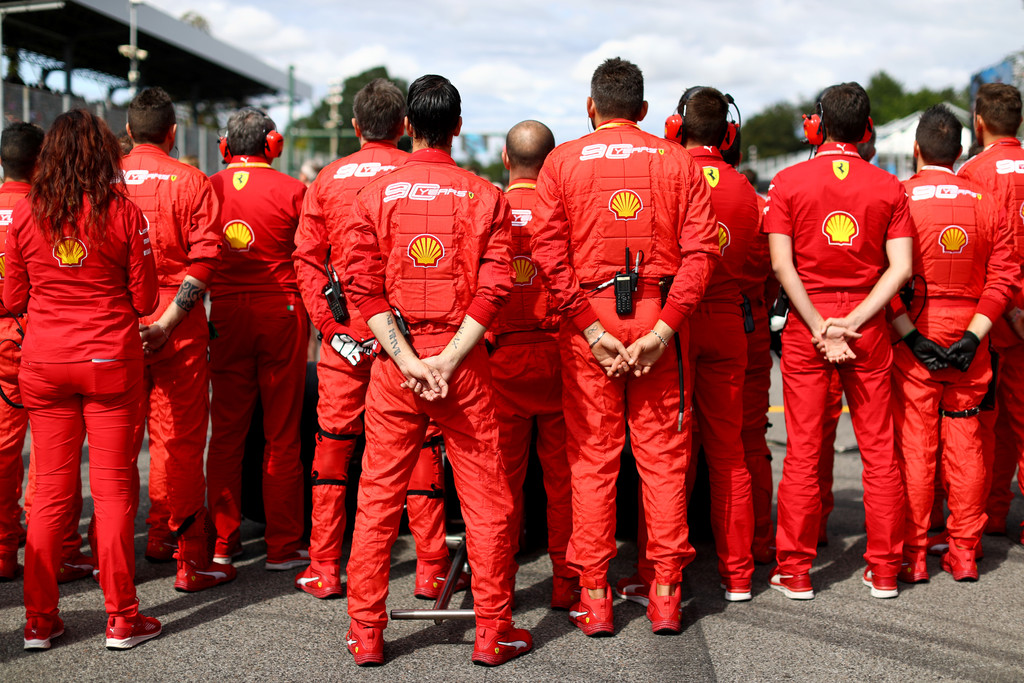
column 79, row 170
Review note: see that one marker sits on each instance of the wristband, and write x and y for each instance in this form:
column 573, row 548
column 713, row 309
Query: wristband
column 660, row 338
column 594, row 343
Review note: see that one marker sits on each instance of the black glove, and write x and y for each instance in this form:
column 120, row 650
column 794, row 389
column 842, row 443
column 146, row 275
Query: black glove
column 931, row 355
column 961, row 353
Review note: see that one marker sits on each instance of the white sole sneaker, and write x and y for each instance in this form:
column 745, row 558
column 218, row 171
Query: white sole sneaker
column 301, row 561
column 128, row 643
column 633, row 597
column 791, row 594
column 731, row 596
column 878, row 592
column 41, row 643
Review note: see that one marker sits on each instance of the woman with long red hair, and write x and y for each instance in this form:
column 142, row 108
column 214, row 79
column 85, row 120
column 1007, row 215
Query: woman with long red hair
column 79, row 260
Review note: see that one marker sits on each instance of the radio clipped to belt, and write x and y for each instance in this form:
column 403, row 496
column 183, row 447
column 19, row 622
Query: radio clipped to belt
column 626, row 283
column 332, row 292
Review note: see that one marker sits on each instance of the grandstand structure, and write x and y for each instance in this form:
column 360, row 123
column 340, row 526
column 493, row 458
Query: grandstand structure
column 204, row 75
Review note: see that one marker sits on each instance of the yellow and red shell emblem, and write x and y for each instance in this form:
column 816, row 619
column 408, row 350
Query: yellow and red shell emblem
column 840, row 228
column 953, row 239
column 1021, row 212
column 239, row 235
column 3, row 266
column 625, row 204
column 426, row 250
column 723, row 237
column 69, row 252
column 523, row 271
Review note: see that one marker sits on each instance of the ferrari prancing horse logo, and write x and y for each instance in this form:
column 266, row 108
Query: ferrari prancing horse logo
column 711, row 175
column 841, row 168
column 239, row 179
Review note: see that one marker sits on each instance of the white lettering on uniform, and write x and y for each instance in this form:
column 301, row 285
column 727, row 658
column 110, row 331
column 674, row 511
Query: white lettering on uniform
column 521, row 217
column 367, row 169
column 136, row 177
column 6, row 216
column 1004, row 166
column 939, row 192
column 423, row 192
column 619, row 150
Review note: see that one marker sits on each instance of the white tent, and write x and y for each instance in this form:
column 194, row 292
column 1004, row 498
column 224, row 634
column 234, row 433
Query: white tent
column 894, row 144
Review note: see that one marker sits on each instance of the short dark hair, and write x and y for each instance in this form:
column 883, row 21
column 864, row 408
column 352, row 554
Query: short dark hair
column 379, row 108
column 999, row 105
column 434, row 108
column 845, row 109
column 19, row 150
column 938, row 136
column 707, row 112
column 617, row 88
column 528, row 144
column 247, row 132
column 151, row 116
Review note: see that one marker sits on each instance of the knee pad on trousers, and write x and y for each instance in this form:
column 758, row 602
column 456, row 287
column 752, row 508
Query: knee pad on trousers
column 427, row 478
column 333, row 452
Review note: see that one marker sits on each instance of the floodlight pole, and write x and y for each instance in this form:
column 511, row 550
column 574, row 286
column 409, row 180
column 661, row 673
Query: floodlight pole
column 17, row 8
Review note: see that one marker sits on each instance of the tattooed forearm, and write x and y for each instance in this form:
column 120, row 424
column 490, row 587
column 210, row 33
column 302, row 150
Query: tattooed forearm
column 457, row 339
column 591, row 332
column 395, row 350
column 187, row 296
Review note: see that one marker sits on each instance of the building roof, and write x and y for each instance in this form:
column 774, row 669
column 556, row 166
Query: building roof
column 188, row 63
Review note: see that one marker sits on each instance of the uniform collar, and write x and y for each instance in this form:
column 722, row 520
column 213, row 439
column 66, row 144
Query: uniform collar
column 248, row 161
column 617, row 123
column 379, row 144
column 147, row 148
column 15, row 186
column 522, row 184
column 842, row 148
column 431, row 156
column 706, row 152
column 1004, row 142
column 941, row 169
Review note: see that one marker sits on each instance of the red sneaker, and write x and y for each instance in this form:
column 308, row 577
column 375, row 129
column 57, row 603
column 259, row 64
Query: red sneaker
column 227, row 555
column 565, row 592
column 124, row 632
column 299, row 558
column 960, row 564
column 663, row 612
column 737, row 591
column 914, row 568
column 160, row 550
column 492, row 648
column 634, row 589
column 995, row 527
column 78, row 566
column 938, row 543
column 40, row 630
column 793, row 586
column 430, row 578
column 190, row 579
column 320, row 581
column 763, row 554
column 593, row 616
column 9, row 567
column 366, row 643
column 881, row 586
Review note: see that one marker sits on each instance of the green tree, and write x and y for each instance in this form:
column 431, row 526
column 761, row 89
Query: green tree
column 891, row 101
column 774, row 130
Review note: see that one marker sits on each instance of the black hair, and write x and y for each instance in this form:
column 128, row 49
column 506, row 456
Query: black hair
column 151, row 116
column 938, row 136
column 379, row 108
column 434, row 107
column 617, row 88
column 19, row 150
column 845, row 109
column 707, row 115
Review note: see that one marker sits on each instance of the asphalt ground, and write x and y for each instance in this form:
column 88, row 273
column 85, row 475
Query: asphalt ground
column 259, row 628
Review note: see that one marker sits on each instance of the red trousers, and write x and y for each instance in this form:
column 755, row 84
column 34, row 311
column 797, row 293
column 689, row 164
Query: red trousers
column 867, row 383
column 527, row 390
column 396, row 423
column 1003, row 429
column 342, row 399
column 176, row 405
column 597, row 410
column 756, row 401
column 830, row 425
column 718, row 358
column 918, row 396
column 259, row 354
column 13, row 425
column 65, row 400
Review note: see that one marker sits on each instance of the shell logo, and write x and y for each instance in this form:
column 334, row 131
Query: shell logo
column 1021, row 212
column 239, row 235
column 723, row 237
column 840, row 228
column 523, row 271
column 625, row 204
column 953, row 239
column 69, row 252
column 425, row 251
column 3, row 266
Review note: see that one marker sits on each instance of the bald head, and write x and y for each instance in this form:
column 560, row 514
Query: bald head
column 526, row 147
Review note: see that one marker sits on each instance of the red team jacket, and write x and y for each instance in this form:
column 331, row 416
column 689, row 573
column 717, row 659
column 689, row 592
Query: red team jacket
column 181, row 209
column 324, row 210
column 11, row 192
column 108, row 285
column 436, row 238
column 840, row 228
column 531, row 306
column 621, row 187
column 259, row 212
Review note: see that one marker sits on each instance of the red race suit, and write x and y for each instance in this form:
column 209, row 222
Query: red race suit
column 181, row 209
column 81, row 371
column 615, row 189
column 342, row 386
column 999, row 169
column 839, row 211
column 963, row 253
column 258, row 354
column 527, row 376
column 435, row 238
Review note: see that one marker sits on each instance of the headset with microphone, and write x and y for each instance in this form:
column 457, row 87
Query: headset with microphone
column 273, row 143
column 675, row 125
column 814, row 127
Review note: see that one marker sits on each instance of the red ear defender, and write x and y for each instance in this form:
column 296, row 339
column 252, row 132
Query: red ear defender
column 224, row 151
column 813, row 130
column 274, row 144
column 674, row 128
column 868, row 132
column 730, row 136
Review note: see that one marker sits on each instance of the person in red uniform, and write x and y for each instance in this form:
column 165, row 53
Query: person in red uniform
column 841, row 238
column 999, row 169
column 526, row 368
column 623, row 205
column 181, row 209
column 430, row 243
column 963, row 254
column 258, row 352
column 78, row 259
column 346, row 354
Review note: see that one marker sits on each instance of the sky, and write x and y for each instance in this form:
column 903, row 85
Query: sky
column 533, row 59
